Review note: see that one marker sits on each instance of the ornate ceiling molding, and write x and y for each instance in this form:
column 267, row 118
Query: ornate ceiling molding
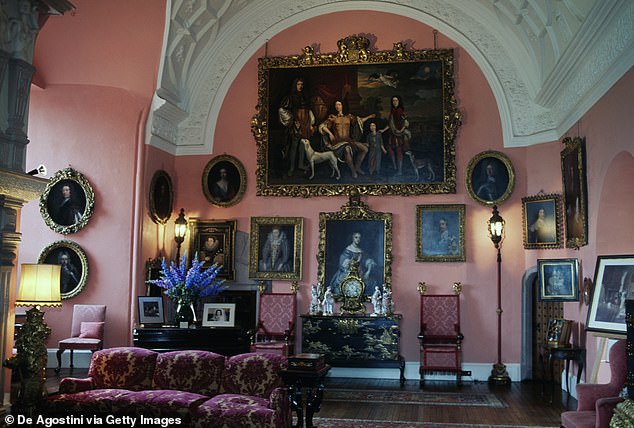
column 546, row 62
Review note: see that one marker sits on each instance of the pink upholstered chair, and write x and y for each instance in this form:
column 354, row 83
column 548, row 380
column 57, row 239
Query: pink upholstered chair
column 275, row 332
column 440, row 337
column 86, row 332
column 596, row 402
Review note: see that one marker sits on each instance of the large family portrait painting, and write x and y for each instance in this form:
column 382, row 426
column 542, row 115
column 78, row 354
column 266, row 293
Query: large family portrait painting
column 383, row 121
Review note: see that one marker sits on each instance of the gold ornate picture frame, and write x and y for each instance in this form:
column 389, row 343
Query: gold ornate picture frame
column 573, row 173
column 276, row 248
column 224, row 181
column 74, row 266
column 298, row 154
column 541, row 219
column 440, row 233
column 213, row 241
column 490, row 177
column 68, row 201
column 161, row 197
column 355, row 232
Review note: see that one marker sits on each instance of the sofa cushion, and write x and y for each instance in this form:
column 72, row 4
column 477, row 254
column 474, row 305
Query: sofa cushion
column 191, row 371
column 96, row 401
column 123, row 368
column 160, row 403
column 254, row 374
column 234, row 410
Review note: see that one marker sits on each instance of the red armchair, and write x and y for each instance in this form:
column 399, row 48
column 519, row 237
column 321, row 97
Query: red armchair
column 596, row 402
column 275, row 332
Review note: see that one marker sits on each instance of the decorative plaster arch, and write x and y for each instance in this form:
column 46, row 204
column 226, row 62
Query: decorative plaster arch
column 207, row 46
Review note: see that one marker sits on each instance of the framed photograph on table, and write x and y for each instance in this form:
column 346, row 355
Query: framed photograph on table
column 440, row 233
column 68, row 201
column 219, row 315
column 490, row 177
column 541, row 216
column 74, row 266
column 151, row 310
column 573, row 172
column 558, row 280
column 214, row 241
column 314, row 108
column 613, row 284
column 357, row 233
column 276, row 248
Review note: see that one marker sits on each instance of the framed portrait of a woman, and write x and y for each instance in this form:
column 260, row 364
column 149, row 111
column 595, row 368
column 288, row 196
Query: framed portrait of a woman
column 276, row 248
column 356, row 233
column 490, row 177
column 74, row 266
column 68, row 201
column 224, row 181
column 541, row 216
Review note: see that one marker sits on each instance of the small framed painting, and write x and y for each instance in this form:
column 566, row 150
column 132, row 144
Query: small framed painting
column 161, row 197
column 440, row 233
column 151, row 310
column 219, row 315
column 68, row 202
column 542, row 221
column 276, row 248
column 490, row 178
column 224, row 181
column 213, row 240
column 558, row 280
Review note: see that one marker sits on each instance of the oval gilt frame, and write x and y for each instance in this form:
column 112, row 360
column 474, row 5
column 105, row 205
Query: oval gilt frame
column 73, row 280
column 67, row 211
column 161, row 197
column 490, row 178
column 236, row 177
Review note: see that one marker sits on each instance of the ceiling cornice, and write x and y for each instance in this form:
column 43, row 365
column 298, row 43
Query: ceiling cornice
column 546, row 63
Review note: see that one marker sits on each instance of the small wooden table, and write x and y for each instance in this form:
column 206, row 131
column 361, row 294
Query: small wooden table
column 313, row 382
column 563, row 353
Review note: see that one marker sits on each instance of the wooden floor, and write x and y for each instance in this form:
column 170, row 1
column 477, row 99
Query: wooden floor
column 526, row 404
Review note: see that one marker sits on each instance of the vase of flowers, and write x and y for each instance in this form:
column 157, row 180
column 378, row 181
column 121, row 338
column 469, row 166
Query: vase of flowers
column 186, row 286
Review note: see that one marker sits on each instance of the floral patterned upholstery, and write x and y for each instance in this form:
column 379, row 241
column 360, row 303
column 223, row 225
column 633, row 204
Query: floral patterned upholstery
column 202, row 388
column 440, row 337
column 254, row 394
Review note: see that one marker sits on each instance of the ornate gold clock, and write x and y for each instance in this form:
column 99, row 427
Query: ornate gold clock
column 353, row 290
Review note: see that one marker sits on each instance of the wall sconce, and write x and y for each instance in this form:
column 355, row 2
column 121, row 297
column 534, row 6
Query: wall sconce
column 495, row 228
column 180, row 228
column 40, row 170
column 39, row 286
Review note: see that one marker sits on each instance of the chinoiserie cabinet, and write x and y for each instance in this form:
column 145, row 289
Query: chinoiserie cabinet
column 355, row 340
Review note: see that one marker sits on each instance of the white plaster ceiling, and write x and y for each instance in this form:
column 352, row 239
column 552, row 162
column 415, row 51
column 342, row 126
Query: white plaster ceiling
column 547, row 61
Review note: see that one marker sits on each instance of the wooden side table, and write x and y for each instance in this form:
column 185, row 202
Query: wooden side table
column 298, row 381
column 548, row 354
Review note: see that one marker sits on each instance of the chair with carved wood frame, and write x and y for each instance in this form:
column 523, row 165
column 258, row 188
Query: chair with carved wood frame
column 275, row 331
column 440, row 336
column 87, row 331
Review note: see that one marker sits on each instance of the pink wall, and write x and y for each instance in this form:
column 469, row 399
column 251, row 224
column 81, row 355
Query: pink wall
column 96, row 130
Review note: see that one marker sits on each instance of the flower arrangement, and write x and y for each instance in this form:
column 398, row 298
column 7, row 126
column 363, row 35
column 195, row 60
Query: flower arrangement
column 187, row 286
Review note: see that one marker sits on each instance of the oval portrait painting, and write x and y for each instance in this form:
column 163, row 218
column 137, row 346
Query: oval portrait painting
column 67, row 202
column 490, row 178
column 224, row 181
column 73, row 263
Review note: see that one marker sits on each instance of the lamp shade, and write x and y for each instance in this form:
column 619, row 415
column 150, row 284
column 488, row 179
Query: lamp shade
column 39, row 285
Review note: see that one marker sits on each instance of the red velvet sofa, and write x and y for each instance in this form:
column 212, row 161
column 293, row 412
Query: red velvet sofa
column 202, row 389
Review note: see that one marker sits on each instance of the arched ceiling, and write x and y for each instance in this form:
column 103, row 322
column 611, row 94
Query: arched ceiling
column 547, row 61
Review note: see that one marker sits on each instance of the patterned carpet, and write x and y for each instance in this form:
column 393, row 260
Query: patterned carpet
column 348, row 423
column 414, row 397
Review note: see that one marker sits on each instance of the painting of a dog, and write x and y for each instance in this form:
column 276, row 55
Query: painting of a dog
column 314, row 157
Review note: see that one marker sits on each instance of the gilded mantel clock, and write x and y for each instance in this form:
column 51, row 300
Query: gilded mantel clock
column 353, row 290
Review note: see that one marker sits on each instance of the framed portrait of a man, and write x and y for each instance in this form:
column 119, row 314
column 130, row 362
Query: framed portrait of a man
column 224, row 181
column 558, row 280
column 385, row 120
column 541, row 216
column 214, row 241
column 67, row 202
column 73, row 263
column 276, row 248
column 440, row 233
column 573, row 172
column 356, row 233
column 490, row 177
